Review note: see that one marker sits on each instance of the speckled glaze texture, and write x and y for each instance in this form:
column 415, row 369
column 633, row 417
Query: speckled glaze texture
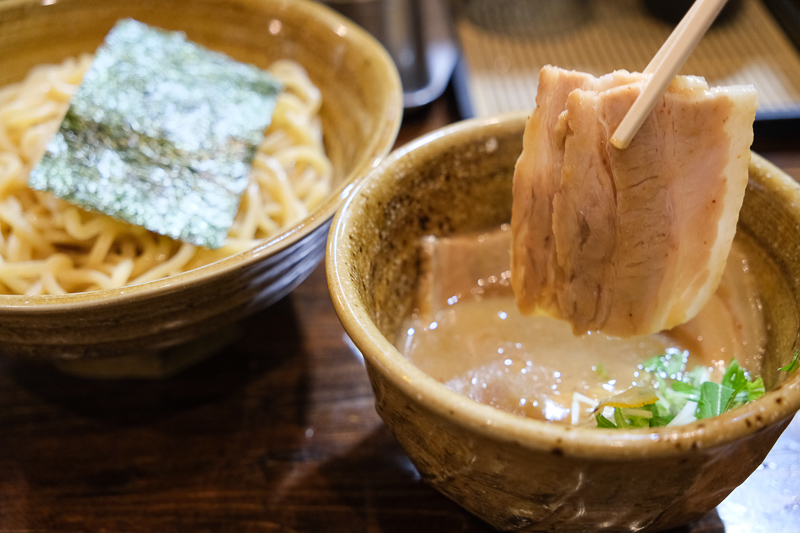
column 527, row 475
column 361, row 112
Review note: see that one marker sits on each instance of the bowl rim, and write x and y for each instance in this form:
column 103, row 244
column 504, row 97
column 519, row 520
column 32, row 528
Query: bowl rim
column 377, row 148
column 775, row 407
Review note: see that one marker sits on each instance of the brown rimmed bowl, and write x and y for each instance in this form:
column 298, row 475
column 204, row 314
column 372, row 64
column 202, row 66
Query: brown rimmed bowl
column 527, row 475
column 361, row 116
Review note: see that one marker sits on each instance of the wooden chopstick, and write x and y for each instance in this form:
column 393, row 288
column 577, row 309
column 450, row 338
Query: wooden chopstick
column 665, row 65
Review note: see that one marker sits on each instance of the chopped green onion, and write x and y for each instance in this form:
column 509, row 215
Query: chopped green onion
column 683, row 397
column 603, row 422
column 687, row 415
column 794, row 365
column 640, row 413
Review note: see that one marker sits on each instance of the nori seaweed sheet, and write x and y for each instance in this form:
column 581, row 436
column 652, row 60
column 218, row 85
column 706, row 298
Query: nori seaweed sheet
column 161, row 133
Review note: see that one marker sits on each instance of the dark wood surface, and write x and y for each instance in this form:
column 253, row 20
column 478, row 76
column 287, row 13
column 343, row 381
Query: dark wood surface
column 277, row 432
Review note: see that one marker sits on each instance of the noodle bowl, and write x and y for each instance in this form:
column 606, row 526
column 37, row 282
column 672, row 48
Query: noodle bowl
column 48, row 246
column 360, row 117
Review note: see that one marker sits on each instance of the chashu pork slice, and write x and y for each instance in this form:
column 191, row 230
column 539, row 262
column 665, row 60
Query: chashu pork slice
column 537, row 178
column 637, row 239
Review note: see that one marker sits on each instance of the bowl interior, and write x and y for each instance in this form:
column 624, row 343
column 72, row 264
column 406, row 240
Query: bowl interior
column 459, row 180
column 362, row 97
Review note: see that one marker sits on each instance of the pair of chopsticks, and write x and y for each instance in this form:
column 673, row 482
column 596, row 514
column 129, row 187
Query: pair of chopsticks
column 665, row 65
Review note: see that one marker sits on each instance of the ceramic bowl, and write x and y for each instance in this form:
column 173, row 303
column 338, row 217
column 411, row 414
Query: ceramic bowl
column 361, row 116
column 523, row 474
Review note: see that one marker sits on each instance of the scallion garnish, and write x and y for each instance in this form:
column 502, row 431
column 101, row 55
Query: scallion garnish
column 794, row 365
column 683, row 397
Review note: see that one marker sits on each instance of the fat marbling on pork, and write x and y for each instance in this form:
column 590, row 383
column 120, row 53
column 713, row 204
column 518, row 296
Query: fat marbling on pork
column 632, row 241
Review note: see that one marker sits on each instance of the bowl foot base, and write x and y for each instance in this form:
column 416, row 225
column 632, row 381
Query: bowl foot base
column 158, row 364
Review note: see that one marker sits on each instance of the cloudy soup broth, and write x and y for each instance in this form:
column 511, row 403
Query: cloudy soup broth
column 466, row 332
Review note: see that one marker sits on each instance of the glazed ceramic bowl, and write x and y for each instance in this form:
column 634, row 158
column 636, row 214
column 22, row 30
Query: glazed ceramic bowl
column 523, row 474
column 361, row 115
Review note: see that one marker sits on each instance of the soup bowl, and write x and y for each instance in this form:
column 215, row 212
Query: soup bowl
column 523, row 474
column 361, row 113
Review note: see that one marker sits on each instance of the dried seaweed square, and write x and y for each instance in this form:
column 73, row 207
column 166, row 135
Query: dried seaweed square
column 161, row 133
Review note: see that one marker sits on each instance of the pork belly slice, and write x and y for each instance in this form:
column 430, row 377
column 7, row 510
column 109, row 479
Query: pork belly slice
column 469, row 266
column 537, row 178
column 635, row 240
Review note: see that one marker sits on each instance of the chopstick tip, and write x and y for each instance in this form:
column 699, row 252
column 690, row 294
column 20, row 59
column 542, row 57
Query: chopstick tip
column 618, row 143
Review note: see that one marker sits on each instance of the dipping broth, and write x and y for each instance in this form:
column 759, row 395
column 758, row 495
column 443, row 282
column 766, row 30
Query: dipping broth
column 467, row 333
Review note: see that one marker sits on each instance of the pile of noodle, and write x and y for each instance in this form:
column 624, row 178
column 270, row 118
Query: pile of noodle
column 48, row 246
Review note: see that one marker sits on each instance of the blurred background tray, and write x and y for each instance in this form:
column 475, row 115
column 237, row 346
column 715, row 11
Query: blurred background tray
column 418, row 36
column 505, row 42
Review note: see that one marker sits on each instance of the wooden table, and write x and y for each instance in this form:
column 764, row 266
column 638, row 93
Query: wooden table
column 275, row 433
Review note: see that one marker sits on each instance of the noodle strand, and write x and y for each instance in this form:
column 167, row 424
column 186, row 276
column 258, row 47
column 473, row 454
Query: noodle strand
column 48, row 246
